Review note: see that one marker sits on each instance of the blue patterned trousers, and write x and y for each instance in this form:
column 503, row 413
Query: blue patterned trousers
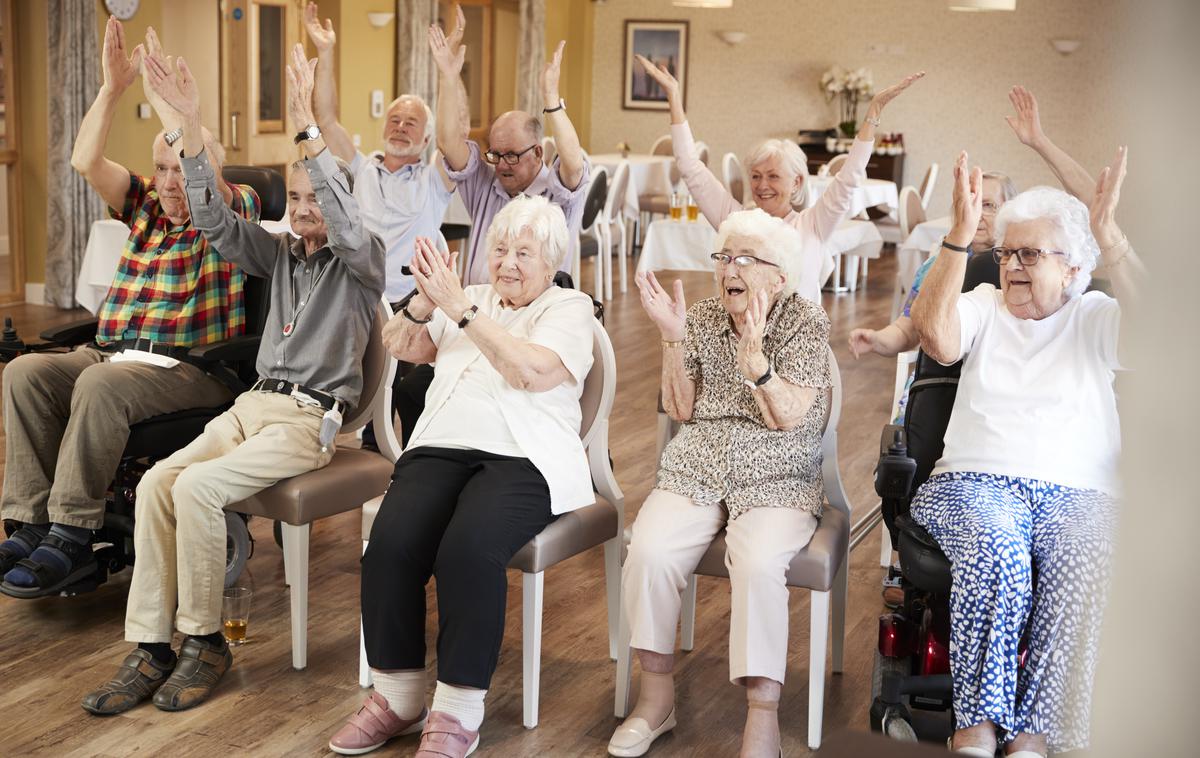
column 996, row 530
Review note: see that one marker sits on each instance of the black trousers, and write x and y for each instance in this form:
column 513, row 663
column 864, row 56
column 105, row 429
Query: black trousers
column 460, row 516
column 408, row 396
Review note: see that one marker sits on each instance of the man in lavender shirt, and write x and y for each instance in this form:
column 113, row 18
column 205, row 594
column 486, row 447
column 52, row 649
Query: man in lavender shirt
column 513, row 164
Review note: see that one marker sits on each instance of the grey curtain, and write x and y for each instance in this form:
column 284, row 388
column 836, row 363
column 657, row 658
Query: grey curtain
column 416, row 73
column 532, row 56
column 72, row 206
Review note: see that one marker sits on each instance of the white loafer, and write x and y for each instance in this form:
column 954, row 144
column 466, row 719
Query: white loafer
column 634, row 737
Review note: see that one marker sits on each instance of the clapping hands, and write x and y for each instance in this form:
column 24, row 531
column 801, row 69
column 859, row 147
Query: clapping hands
column 120, row 69
column 300, row 74
column 1104, row 206
column 668, row 314
column 436, row 279
column 750, row 359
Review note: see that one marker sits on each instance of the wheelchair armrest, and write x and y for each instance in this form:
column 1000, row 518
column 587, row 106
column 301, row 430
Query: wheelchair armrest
column 73, row 332
column 236, row 350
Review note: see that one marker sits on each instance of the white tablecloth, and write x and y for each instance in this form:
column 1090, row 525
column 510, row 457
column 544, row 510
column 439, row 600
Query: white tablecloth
column 869, row 194
column 912, row 251
column 648, row 174
column 105, row 242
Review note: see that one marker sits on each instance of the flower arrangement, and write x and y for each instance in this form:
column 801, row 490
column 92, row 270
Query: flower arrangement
column 623, row 148
column 850, row 88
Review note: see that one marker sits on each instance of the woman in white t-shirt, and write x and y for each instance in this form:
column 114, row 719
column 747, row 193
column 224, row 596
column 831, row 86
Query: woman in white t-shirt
column 1028, row 477
column 494, row 458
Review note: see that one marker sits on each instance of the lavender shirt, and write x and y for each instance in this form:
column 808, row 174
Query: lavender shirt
column 484, row 197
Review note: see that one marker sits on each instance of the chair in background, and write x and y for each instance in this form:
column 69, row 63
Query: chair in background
column 652, row 204
column 911, row 213
column 662, row 146
column 569, row 535
column 926, row 190
column 702, row 152
column 835, row 165
column 820, row 567
column 592, row 237
column 549, row 150
column 614, row 216
column 734, row 177
column 352, row 477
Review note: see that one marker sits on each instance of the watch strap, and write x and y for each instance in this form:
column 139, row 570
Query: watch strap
column 173, row 136
column 561, row 104
column 760, row 381
column 408, row 315
column 468, row 317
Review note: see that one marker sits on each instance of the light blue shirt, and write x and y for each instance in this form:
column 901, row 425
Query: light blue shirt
column 399, row 206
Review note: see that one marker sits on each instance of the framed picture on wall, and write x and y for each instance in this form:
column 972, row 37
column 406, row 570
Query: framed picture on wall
column 664, row 42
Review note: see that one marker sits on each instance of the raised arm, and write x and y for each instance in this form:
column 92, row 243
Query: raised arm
column 1119, row 264
column 325, row 102
column 935, row 313
column 449, row 54
column 1027, row 125
column 108, row 178
column 670, row 316
column 570, row 152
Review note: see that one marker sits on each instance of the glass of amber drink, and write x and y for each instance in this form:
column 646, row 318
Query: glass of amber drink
column 235, row 614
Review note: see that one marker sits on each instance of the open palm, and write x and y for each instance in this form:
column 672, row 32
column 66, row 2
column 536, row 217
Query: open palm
column 323, row 37
column 1026, row 124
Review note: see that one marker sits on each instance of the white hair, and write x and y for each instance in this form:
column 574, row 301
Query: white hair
column 428, row 112
column 544, row 220
column 791, row 158
column 778, row 236
column 1069, row 216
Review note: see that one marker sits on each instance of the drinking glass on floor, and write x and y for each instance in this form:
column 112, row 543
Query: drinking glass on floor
column 235, row 614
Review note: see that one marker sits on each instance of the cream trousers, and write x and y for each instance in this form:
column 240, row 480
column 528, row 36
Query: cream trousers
column 671, row 534
column 179, row 518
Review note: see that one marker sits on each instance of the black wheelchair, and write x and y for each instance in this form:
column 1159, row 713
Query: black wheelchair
column 232, row 361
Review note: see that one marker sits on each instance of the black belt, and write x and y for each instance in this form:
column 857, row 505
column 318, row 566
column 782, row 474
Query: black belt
column 148, row 346
column 324, row 399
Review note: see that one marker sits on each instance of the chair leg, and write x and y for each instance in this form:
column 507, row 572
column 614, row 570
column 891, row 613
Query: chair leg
column 622, row 254
column 624, row 673
column 663, row 435
column 531, row 642
column 817, row 647
column 598, row 267
column 852, row 273
column 608, row 262
column 364, row 671
column 840, row 590
column 295, row 555
column 612, row 586
column 687, row 623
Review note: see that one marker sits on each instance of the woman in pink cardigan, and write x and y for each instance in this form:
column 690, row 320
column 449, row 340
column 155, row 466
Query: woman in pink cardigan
column 778, row 170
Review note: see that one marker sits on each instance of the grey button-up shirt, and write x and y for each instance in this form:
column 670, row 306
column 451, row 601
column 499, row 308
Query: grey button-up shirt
column 326, row 301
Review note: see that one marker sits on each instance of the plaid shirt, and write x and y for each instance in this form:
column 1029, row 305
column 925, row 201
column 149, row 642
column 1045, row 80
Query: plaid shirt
column 170, row 287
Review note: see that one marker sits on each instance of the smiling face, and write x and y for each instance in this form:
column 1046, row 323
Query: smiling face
column 1035, row 292
column 993, row 200
column 518, row 269
column 168, row 181
column 303, row 211
column 510, row 134
column 773, row 186
column 404, row 131
column 737, row 285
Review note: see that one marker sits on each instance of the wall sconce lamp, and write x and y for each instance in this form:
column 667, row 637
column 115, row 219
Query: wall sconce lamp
column 380, row 19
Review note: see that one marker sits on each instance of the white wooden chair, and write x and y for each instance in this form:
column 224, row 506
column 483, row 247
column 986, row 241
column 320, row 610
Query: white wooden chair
column 926, row 190
column 911, row 213
column 734, row 177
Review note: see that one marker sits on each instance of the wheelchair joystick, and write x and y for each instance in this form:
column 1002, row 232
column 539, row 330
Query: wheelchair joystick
column 11, row 344
column 894, row 476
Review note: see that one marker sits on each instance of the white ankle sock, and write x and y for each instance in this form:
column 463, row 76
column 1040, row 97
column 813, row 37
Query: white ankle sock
column 403, row 690
column 463, row 703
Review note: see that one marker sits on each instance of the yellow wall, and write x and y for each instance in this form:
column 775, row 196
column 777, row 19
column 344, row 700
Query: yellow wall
column 131, row 138
column 573, row 20
column 30, row 41
column 366, row 61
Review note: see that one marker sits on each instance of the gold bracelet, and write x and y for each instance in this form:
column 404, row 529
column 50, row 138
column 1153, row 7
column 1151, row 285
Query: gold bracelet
column 671, row 343
column 1124, row 241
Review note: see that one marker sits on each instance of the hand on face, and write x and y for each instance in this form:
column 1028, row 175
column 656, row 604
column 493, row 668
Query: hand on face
column 669, row 83
column 883, row 97
column 449, row 52
column 177, row 89
column 119, row 69
column 668, row 314
column 1027, row 125
column 323, row 37
column 1103, row 208
column 300, row 75
column 862, row 341
column 750, row 359
column 967, row 206
column 435, row 277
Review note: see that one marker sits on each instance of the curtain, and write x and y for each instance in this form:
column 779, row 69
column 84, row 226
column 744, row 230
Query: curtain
column 531, row 55
column 416, row 73
column 74, row 78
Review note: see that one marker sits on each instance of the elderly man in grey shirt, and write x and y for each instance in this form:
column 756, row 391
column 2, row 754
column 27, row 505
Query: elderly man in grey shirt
column 325, row 288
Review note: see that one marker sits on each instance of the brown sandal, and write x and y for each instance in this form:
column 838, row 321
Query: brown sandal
column 137, row 679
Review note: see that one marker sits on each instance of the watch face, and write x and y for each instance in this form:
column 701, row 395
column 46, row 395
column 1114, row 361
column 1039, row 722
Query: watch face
column 122, row 9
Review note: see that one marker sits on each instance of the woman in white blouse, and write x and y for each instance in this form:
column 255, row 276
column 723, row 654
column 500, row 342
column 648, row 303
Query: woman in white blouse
column 494, row 458
column 1027, row 480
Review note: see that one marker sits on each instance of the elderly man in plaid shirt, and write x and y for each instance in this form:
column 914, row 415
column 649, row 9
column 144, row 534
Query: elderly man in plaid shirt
column 67, row 416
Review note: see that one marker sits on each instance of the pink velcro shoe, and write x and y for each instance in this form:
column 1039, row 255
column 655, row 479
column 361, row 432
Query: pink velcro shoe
column 446, row 737
column 372, row 725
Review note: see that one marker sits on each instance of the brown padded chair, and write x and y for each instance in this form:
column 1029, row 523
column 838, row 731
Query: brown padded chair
column 570, row 534
column 353, row 477
column 819, row 567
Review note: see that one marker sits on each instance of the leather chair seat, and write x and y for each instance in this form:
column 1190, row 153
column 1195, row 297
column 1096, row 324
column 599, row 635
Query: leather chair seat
column 161, row 435
column 651, row 203
column 922, row 561
column 570, row 534
column 352, row 477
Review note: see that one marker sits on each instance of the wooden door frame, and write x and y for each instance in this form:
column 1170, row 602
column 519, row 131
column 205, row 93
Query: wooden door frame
column 10, row 156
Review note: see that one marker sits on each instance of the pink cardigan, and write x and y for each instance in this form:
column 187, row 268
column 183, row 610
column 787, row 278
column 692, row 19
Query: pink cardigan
column 816, row 223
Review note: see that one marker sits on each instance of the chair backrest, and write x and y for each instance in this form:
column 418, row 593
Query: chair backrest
column 378, row 371
column 835, row 164
column 734, row 177
column 702, row 152
column 267, row 182
column 600, row 386
column 663, row 146
column 616, row 193
column 835, row 491
column 549, row 150
column 911, row 211
column 596, row 197
column 931, row 175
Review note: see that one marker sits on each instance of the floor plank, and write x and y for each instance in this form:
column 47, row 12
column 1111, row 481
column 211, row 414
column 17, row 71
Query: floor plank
column 52, row 651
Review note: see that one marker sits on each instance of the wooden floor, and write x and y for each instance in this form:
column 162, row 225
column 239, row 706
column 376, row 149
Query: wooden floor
column 53, row 651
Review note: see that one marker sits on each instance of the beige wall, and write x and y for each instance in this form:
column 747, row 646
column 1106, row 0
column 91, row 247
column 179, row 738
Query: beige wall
column 130, row 139
column 30, row 40
column 573, row 21
column 366, row 61
column 767, row 86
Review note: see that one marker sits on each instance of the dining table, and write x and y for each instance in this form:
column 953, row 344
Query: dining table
column 648, row 175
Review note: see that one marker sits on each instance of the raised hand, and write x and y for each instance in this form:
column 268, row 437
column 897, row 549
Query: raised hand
column 967, row 206
column 175, row 88
column 1026, row 124
column 323, row 37
column 153, row 49
column 883, row 97
column 449, row 52
column 661, row 75
column 668, row 314
column 300, row 73
column 1104, row 206
column 862, row 341
column 120, row 69
column 550, row 76
column 750, row 359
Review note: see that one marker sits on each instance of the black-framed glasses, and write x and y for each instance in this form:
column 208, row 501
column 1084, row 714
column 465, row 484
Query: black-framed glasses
column 492, row 157
column 741, row 261
column 1028, row 256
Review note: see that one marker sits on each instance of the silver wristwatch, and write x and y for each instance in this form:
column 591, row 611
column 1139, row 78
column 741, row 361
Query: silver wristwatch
column 173, row 136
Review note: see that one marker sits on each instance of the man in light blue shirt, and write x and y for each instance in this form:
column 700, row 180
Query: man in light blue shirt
column 401, row 197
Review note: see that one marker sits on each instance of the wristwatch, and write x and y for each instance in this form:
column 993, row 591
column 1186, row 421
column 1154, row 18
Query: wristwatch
column 310, row 132
column 760, row 381
column 561, row 104
column 468, row 316
column 173, row 136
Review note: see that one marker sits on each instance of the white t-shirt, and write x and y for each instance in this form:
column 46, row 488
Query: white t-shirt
column 1036, row 398
column 466, row 388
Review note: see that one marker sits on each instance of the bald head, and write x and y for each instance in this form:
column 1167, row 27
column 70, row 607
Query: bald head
column 517, row 124
column 517, row 133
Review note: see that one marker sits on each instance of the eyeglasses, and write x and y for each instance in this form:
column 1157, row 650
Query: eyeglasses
column 990, row 208
column 492, row 157
column 1028, row 256
column 742, row 261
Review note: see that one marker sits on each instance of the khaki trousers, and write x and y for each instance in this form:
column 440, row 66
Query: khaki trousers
column 179, row 530
column 670, row 536
column 66, row 422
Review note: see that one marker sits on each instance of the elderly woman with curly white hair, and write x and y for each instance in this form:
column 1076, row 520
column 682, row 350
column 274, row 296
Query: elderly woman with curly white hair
column 778, row 173
column 747, row 372
column 494, row 458
column 1027, row 481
